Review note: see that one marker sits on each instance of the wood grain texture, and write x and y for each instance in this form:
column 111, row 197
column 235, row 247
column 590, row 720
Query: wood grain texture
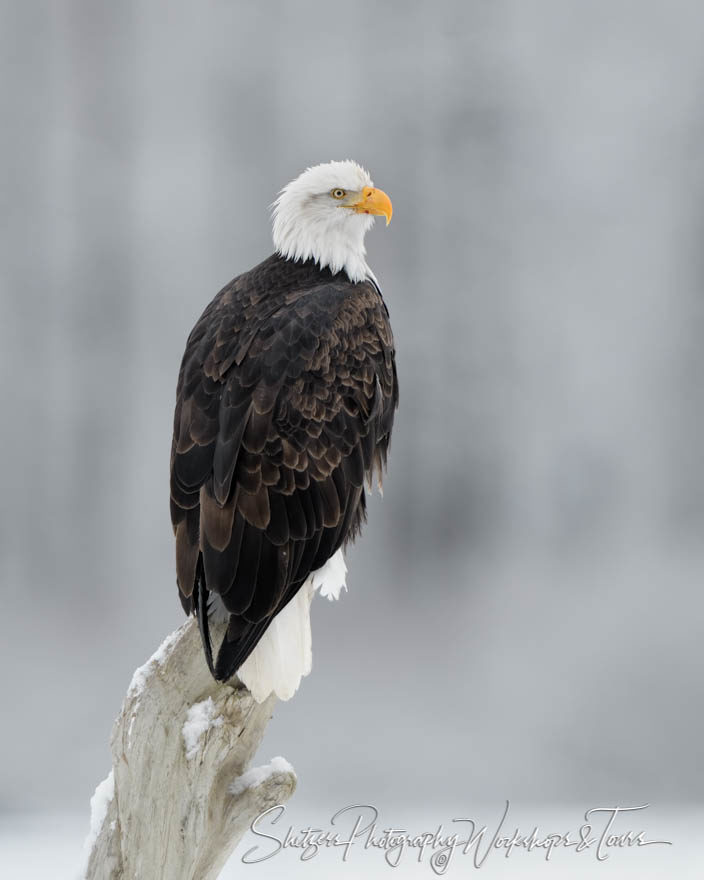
column 173, row 815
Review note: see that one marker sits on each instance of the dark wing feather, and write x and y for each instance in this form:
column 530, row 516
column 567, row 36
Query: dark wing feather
column 285, row 405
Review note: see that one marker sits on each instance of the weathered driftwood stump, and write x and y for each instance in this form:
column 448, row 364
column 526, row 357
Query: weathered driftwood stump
column 179, row 798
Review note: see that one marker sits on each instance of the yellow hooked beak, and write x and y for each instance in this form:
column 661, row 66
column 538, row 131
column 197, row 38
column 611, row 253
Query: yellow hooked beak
column 374, row 201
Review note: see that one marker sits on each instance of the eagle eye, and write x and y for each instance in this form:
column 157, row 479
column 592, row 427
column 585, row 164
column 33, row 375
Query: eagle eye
column 338, row 193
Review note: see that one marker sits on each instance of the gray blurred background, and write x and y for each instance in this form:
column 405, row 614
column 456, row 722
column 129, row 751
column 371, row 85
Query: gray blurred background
column 525, row 608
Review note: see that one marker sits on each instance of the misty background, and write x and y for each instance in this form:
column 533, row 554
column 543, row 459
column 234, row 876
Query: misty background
column 525, row 609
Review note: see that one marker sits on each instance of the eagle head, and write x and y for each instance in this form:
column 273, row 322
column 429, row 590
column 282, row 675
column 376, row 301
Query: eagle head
column 324, row 215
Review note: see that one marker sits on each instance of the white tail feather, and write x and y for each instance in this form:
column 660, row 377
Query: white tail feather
column 284, row 653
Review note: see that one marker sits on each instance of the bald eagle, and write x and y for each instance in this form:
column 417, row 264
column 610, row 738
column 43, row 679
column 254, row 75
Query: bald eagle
column 284, row 408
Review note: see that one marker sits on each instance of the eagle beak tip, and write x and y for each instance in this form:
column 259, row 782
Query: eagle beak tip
column 375, row 201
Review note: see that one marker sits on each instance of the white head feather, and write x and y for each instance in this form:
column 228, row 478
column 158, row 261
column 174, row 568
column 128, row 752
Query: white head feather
column 309, row 223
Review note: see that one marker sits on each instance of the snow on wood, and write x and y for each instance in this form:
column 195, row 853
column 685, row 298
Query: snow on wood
column 99, row 804
column 199, row 719
column 258, row 775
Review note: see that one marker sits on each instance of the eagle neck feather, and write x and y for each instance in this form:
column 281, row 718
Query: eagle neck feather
column 335, row 246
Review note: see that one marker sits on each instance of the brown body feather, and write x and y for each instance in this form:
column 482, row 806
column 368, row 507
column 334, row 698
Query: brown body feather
column 285, row 405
